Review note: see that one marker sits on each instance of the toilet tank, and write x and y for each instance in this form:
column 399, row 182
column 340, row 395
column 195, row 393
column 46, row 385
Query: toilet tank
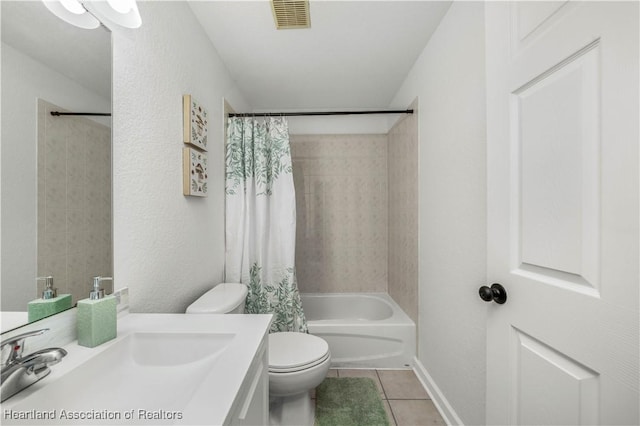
column 225, row 298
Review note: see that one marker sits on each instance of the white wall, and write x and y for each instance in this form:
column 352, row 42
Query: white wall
column 449, row 79
column 23, row 81
column 168, row 248
column 339, row 125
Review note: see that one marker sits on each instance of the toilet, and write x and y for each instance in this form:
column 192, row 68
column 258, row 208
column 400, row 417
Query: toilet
column 225, row 298
column 298, row 362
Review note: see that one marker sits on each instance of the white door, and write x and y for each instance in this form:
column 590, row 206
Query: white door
column 563, row 234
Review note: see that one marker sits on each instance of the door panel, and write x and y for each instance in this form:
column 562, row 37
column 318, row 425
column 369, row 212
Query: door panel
column 531, row 18
column 555, row 122
column 563, row 231
column 574, row 399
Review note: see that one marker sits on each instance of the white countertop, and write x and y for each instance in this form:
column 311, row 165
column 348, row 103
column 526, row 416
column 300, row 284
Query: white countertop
column 210, row 402
column 11, row 320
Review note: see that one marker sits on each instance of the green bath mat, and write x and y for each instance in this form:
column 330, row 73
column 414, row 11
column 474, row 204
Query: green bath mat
column 349, row 401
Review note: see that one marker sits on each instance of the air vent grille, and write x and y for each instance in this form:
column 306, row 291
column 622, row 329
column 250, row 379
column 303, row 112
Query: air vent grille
column 291, row 13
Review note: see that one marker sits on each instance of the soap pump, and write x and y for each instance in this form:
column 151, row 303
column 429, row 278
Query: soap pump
column 97, row 316
column 49, row 292
column 97, row 292
column 50, row 303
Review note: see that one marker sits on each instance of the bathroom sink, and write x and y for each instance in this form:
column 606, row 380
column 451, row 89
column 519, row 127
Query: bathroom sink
column 160, row 369
column 149, row 371
column 166, row 349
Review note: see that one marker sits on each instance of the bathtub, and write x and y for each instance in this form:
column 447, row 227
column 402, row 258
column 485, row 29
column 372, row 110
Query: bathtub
column 363, row 330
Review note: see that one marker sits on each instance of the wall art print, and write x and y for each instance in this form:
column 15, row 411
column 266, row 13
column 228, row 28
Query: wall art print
column 195, row 172
column 195, row 122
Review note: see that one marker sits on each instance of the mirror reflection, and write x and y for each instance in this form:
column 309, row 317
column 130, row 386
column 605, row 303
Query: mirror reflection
column 56, row 170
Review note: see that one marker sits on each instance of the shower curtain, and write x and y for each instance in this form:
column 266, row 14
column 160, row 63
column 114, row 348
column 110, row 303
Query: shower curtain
column 261, row 219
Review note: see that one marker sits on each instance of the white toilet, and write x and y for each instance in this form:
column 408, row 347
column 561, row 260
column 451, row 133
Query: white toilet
column 225, row 298
column 298, row 362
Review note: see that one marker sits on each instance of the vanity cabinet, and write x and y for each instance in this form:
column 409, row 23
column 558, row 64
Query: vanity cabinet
column 251, row 406
column 198, row 369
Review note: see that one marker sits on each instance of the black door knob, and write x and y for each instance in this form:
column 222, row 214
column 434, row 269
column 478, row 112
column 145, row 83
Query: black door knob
column 496, row 292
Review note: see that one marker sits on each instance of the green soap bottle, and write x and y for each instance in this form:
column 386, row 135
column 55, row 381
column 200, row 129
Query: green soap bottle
column 49, row 304
column 97, row 316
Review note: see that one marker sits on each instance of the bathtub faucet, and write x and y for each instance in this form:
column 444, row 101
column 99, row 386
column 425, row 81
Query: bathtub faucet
column 20, row 372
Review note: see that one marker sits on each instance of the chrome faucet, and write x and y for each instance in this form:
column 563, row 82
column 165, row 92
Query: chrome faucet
column 20, row 372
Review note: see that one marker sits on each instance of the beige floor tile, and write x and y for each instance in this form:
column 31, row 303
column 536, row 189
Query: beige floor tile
column 387, row 408
column 333, row 372
column 363, row 373
column 402, row 384
column 420, row 412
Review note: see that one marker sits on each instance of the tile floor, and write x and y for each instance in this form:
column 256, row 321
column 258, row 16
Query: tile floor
column 404, row 398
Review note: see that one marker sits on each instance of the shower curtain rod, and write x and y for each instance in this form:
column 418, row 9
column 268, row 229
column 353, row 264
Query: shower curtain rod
column 300, row 114
column 102, row 114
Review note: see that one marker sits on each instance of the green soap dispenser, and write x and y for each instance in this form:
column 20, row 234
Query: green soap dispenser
column 49, row 304
column 97, row 316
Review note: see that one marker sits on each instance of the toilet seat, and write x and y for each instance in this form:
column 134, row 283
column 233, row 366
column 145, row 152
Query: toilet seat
column 290, row 352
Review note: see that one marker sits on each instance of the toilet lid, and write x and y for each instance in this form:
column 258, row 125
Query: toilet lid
column 221, row 299
column 290, row 351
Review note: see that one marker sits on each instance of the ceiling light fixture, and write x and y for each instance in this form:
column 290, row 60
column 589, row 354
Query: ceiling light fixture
column 119, row 12
column 72, row 12
column 73, row 6
column 90, row 14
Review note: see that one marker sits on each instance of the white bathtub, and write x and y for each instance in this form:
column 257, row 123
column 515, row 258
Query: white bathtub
column 364, row 330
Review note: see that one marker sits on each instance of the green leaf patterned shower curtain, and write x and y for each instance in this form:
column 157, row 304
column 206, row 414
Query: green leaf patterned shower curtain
column 261, row 219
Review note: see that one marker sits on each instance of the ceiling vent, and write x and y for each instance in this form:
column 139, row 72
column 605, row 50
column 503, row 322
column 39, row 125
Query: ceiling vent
column 290, row 14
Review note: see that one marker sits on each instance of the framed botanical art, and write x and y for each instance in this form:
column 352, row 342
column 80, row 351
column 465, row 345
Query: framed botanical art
column 195, row 172
column 195, row 122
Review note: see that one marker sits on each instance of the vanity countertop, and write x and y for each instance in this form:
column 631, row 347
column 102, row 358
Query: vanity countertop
column 11, row 320
column 117, row 363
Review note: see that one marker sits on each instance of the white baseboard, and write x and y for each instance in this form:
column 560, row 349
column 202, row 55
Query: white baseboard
column 446, row 410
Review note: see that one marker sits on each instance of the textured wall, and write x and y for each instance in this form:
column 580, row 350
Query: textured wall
column 168, row 248
column 341, row 195
column 449, row 79
column 403, row 213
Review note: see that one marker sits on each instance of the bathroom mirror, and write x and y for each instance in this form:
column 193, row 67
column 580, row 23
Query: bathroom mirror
column 56, row 171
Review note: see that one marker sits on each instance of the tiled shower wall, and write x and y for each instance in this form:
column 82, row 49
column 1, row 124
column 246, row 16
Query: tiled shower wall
column 342, row 212
column 74, row 201
column 357, row 212
column 403, row 213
